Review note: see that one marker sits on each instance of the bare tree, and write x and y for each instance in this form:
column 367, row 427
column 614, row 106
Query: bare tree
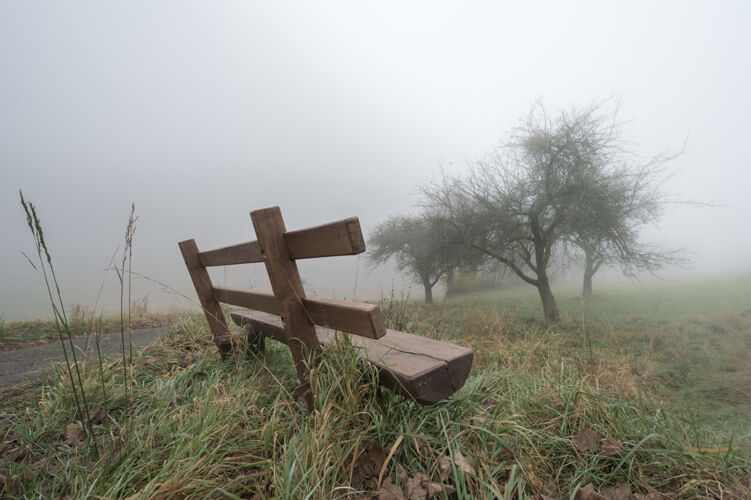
column 420, row 245
column 520, row 205
column 621, row 200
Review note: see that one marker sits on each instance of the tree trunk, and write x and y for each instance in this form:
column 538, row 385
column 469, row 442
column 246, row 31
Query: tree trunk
column 589, row 271
column 587, row 287
column 428, row 291
column 450, row 284
column 549, row 307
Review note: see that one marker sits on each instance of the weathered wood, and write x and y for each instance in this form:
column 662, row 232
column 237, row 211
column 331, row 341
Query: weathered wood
column 352, row 317
column 242, row 253
column 357, row 318
column 211, row 307
column 342, row 237
column 252, row 299
column 424, row 369
column 287, row 287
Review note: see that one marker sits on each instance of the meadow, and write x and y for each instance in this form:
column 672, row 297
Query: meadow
column 642, row 392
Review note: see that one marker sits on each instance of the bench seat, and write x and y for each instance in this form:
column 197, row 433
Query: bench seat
column 421, row 368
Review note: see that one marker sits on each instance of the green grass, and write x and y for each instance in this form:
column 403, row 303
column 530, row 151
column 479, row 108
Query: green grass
column 689, row 340
column 17, row 334
column 622, row 302
column 200, row 427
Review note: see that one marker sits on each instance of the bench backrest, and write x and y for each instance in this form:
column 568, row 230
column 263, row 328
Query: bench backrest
column 279, row 249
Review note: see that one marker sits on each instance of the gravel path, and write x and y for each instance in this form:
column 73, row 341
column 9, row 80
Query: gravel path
column 21, row 364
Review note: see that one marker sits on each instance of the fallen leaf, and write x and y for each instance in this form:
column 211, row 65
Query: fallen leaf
column 390, row 491
column 420, row 443
column 188, row 359
column 420, row 487
column 467, row 465
column 435, row 489
column 550, row 492
column 652, row 495
column 74, row 434
column 620, row 492
column 368, row 466
column 15, row 454
column 98, row 416
column 610, row 447
column 444, row 466
column 588, row 492
column 587, row 440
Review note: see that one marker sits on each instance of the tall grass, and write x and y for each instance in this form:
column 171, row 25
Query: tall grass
column 127, row 258
column 62, row 324
column 47, row 271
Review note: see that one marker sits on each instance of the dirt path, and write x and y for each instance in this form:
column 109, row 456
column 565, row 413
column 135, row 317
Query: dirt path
column 21, row 364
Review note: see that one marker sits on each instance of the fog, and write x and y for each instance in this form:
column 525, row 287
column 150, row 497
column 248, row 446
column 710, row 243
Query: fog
column 201, row 112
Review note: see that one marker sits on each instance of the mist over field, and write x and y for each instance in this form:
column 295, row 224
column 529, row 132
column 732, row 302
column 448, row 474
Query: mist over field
column 200, row 113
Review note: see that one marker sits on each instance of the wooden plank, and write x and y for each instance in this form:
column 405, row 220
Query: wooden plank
column 253, row 299
column 287, row 287
column 342, row 237
column 424, row 369
column 242, row 253
column 352, row 317
column 211, row 307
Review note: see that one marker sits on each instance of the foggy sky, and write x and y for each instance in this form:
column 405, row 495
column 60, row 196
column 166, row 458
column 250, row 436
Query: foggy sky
column 201, row 112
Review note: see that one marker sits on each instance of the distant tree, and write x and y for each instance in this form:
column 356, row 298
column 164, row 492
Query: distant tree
column 420, row 246
column 620, row 201
column 520, row 204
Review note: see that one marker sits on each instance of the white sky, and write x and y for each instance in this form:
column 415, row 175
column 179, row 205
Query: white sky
column 202, row 111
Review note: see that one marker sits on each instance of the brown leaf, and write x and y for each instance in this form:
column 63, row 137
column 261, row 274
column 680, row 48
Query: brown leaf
column 467, row 465
column 610, row 447
column 188, row 359
column 652, row 495
column 420, row 443
column 368, row 466
column 588, row 492
column 74, row 434
column 390, row 491
column 587, row 440
column 620, row 492
column 15, row 454
column 98, row 416
column 420, row 487
column 435, row 489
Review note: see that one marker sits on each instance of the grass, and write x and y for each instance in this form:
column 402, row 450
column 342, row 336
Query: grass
column 688, row 342
column 199, row 427
column 17, row 334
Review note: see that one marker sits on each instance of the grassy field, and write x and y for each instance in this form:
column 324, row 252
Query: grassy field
column 17, row 334
column 664, row 390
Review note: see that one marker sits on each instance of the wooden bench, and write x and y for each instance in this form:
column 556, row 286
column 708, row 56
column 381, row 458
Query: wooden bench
column 420, row 368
